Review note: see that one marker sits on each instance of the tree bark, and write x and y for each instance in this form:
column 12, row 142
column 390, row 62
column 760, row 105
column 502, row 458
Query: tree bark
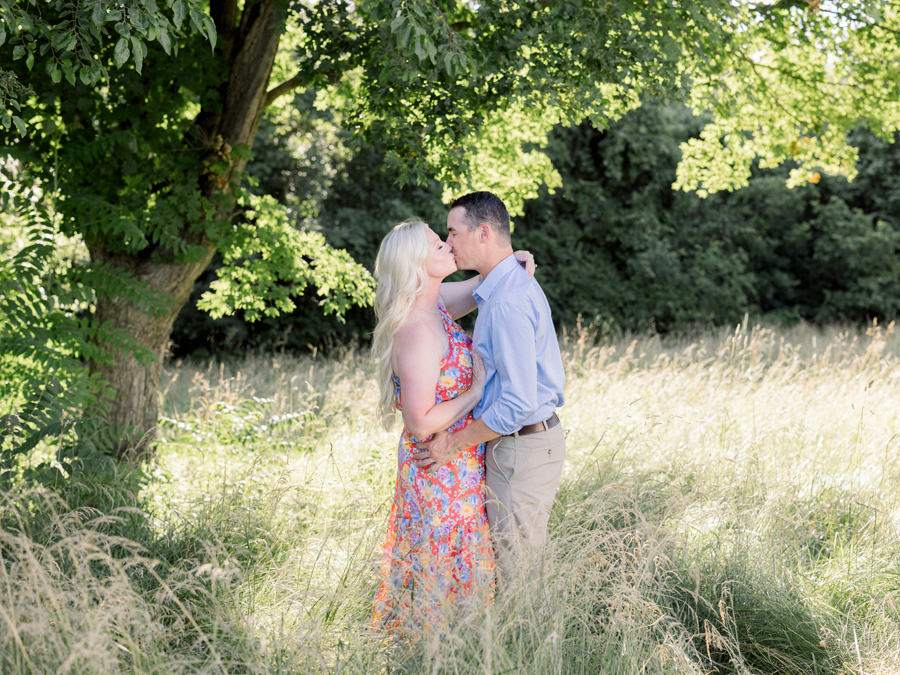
column 249, row 47
column 134, row 411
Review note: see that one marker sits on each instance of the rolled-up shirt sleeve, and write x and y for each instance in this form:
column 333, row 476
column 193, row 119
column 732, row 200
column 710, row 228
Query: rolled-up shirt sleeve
column 512, row 331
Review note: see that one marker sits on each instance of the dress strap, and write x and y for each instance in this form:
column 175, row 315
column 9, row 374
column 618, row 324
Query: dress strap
column 448, row 328
column 445, row 315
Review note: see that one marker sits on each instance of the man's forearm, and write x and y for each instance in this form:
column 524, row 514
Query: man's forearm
column 445, row 447
column 474, row 433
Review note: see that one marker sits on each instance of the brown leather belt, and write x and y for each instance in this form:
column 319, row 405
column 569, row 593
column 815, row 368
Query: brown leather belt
column 537, row 427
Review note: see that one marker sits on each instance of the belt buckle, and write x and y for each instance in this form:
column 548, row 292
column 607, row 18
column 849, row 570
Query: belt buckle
column 543, row 424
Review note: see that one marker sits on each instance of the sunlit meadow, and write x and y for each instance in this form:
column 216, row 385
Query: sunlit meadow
column 729, row 505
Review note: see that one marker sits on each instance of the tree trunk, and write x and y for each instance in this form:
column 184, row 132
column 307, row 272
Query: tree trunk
column 134, row 411
column 249, row 47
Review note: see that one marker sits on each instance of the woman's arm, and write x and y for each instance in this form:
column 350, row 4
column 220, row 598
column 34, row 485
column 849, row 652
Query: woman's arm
column 457, row 295
column 418, row 365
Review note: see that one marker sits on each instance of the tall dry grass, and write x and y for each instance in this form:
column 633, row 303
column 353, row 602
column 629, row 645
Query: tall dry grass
column 728, row 505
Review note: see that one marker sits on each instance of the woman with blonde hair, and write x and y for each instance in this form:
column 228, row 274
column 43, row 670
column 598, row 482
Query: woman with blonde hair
column 437, row 551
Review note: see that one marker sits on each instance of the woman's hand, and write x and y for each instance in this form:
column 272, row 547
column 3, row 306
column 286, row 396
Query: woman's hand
column 479, row 376
column 525, row 258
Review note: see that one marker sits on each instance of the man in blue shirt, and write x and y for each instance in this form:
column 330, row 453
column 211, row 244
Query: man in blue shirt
column 514, row 335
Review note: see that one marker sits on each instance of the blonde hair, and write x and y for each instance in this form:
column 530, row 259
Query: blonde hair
column 400, row 273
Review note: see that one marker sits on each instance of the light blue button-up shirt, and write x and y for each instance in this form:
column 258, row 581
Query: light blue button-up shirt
column 515, row 337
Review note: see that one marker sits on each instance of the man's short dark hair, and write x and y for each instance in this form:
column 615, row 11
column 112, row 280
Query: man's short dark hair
column 484, row 207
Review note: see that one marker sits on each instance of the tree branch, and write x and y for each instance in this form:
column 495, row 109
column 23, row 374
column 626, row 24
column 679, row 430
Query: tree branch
column 297, row 81
column 283, row 88
column 865, row 20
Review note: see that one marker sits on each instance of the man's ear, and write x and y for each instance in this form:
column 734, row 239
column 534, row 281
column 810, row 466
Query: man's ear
column 485, row 231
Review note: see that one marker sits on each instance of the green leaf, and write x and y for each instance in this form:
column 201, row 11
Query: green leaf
column 59, row 40
column 55, row 75
column 404, row 34
column 29, row 62
column 163, row 38
column 448, row 63
column 7, row 120
column 195, row 20
column 2, row 33
column 85, row 75
column 210, row 27
column 98, row 16
column 121, row 52
column 18, row 52
column 68, row 71
column 138, row 54
column 178, row 9
column 20, row 125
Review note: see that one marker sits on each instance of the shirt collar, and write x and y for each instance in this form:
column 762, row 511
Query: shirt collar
column 485, row 289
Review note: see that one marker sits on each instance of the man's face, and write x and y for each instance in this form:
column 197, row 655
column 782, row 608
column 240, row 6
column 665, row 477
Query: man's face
column 463, row 242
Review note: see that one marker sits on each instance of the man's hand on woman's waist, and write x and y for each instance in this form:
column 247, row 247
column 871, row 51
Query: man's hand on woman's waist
column 445, row 447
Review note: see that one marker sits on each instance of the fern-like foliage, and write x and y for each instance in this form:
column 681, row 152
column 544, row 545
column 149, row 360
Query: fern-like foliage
column 47, row 337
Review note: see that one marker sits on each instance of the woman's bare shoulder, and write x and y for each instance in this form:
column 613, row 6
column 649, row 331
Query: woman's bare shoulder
column 419, row 336
column 417, row 341
column 414, row 328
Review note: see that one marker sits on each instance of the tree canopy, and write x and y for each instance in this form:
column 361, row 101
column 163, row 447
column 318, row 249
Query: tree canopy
column 791, row 82
column 71, row 38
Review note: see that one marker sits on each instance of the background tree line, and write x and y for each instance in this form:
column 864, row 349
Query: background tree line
column 616, row 242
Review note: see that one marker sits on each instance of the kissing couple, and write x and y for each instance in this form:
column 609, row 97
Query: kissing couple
column 482, row 449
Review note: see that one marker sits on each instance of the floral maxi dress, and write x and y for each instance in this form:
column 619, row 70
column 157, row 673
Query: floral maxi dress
column 437, row 553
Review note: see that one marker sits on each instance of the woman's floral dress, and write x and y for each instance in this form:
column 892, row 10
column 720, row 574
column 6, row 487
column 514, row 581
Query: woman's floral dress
column 437, row 553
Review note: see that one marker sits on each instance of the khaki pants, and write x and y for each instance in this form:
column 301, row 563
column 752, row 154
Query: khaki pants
column 522, row 474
